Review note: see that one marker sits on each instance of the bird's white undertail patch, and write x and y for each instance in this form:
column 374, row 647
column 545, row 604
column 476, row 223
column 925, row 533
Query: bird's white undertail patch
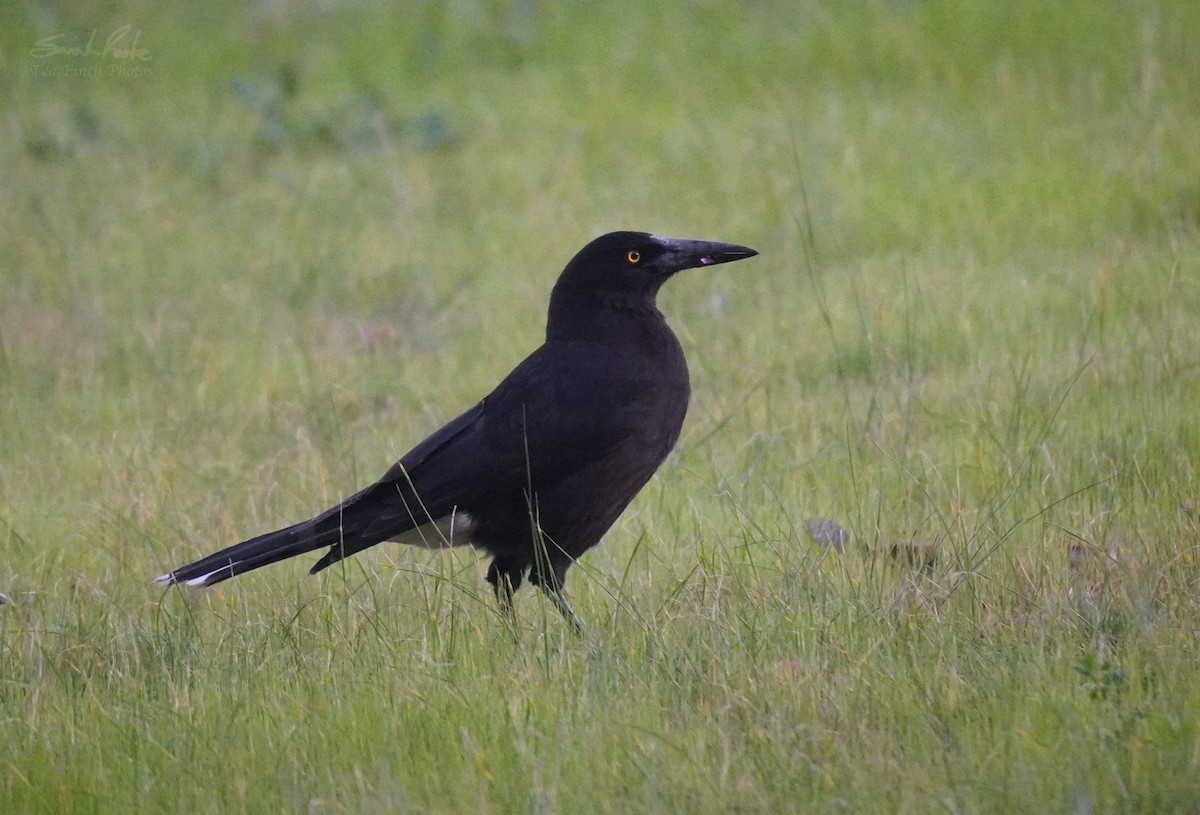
column 451, row 530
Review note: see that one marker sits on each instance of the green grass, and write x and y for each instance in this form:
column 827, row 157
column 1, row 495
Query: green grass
column 239, row 286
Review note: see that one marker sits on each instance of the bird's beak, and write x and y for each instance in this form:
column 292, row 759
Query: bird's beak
column 688, row 254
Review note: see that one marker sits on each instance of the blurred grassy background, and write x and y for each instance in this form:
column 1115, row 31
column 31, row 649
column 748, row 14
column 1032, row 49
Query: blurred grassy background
column 241, row 276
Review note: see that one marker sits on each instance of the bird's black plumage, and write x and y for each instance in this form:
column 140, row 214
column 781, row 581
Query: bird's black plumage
column 538, row 470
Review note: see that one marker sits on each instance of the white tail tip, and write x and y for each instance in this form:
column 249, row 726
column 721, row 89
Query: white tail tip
column 205, row 579
column 169, row 579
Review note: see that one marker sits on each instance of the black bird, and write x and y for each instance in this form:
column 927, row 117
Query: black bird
column 538, row 470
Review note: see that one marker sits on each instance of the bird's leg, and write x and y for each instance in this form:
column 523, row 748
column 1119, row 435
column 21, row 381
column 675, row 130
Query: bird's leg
column 504, row 598
column 505, row 580
column 550, row 581
column 564, row 606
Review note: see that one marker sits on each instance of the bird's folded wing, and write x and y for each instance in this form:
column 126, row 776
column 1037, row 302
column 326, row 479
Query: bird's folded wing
column 529, row 430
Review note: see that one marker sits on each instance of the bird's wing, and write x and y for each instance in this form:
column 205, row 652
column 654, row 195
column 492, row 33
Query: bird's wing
column 554, row 414
column 391, row 505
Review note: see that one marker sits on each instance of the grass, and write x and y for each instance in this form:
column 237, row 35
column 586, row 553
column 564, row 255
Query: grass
column 238, row 286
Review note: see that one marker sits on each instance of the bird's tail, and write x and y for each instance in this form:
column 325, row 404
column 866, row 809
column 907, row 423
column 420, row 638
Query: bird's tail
column 254, row 553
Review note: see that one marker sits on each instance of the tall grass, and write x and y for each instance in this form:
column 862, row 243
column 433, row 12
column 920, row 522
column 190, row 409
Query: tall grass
column 238, row 286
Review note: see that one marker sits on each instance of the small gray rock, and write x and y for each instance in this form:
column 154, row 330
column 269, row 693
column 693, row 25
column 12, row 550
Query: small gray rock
column 827, row 534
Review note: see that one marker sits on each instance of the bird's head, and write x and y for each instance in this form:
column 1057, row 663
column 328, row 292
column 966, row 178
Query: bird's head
column 623, row 265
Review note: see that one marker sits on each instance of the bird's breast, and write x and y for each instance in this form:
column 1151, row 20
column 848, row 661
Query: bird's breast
column 640, row 391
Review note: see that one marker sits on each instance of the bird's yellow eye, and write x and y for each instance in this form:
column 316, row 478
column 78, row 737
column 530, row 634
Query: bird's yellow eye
column 633, row 256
